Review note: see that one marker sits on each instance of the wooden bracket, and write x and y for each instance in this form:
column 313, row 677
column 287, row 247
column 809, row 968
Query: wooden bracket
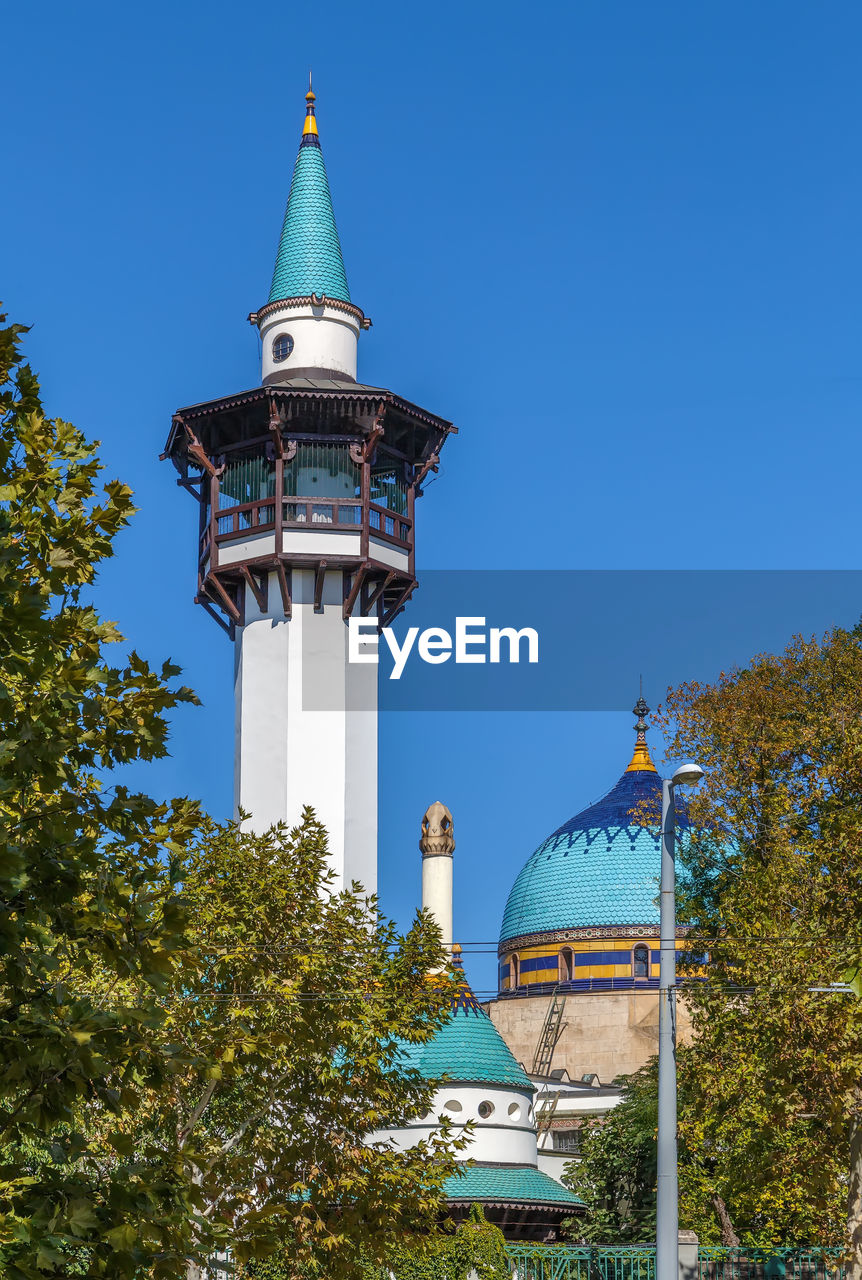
column 284, row 588
column 227, row 627
column 230, row 606
column 364, row 452
column 195, row 450
column 191, row 486
column 350, row 599
column 258, row 584
column 379, row 589
column 319, row 576
column 394, row 610
column 431, row 464
column 275, row 431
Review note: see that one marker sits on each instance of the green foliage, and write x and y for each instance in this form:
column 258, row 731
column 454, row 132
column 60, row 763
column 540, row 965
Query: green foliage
column 616, row 1174
column 772, row 893
column 177, row 1069
column 89, row 920
column 474, row 1245
column 289, row 1021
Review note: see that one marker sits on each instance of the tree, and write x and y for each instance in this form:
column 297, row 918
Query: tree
column 475, row 1247
column 89, row 918
column 616, row 1173
column 290, row 1025
column 772, row 898
column 196, row 1036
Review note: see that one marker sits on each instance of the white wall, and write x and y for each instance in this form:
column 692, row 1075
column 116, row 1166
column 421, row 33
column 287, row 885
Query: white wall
column 306, row 724
column 500, row 1138
column 324, row 337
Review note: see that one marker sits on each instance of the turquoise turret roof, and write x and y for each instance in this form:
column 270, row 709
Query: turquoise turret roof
column 508, row 1184
column 602, row 867
column 309, row 254
column 468, row 1049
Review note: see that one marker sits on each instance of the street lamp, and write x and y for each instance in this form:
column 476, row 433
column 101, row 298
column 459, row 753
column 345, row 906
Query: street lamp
column 667, row 1191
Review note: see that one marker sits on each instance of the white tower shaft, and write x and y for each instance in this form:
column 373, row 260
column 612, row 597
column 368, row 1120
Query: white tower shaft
column 306, row 725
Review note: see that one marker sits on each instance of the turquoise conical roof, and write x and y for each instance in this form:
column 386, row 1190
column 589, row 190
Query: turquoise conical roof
column 468, row 1049
column 508, row 1184
column 309, row 254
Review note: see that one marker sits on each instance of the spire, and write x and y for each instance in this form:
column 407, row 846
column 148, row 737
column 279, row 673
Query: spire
column 309, row 258
column 310, row 125
column 641, row 758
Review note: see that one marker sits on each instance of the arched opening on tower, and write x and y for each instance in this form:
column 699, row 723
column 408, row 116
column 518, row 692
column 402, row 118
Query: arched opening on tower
column 640, row 961
column 566, row 965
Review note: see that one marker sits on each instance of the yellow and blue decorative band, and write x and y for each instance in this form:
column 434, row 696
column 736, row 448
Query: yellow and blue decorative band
column 605, row 962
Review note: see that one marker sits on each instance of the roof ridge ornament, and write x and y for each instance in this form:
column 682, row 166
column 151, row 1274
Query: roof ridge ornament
column 641, row 761
column 310, row 126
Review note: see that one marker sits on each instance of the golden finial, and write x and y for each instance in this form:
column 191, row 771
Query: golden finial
column 310, row 121
column 641, row 758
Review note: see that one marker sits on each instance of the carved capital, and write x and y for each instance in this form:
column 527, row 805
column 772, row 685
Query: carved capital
column 438, row 831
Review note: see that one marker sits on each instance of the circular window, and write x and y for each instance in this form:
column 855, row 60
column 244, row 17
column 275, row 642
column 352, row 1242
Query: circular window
column 453, row 1105
column 514, row 1111
column 486, row 1109
column 281, row 347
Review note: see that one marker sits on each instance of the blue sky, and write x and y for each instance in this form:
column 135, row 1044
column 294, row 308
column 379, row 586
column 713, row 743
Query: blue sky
column 617, row 243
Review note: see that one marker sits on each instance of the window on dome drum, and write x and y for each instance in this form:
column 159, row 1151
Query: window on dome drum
column 566, row 1139
column 281, row 347
column 567, row 962
column 486, row 1109
column 640, row 962
column 514, row 972
column 514, row 1111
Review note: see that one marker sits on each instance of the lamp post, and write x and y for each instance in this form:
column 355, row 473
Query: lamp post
column 667, row 1192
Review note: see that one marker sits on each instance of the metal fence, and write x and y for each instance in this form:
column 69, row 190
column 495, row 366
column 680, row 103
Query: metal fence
column 769, row 1264
column 582, row 1262
column 637, row 1262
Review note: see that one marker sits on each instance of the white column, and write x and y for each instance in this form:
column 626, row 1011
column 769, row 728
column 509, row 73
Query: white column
column 437, row 891
column 437, row 844
column 306, row 724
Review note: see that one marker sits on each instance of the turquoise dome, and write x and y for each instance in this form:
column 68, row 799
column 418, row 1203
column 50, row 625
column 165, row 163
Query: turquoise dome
column 468, row 1049
column 601, row 868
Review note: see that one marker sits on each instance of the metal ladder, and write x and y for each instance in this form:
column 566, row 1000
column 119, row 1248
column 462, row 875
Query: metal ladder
column 545, row 1114
column 550, row 1034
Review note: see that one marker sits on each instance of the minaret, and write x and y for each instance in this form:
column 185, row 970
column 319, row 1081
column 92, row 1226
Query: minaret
column 437, row 843
column 306, row 486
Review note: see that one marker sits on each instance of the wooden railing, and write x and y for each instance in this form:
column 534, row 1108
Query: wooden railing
column 300, row 513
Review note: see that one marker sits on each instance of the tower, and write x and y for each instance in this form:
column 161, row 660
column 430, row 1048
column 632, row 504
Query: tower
column 306, row 487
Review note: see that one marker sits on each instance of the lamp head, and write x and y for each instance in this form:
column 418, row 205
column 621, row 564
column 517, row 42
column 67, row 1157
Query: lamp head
column 687, row 774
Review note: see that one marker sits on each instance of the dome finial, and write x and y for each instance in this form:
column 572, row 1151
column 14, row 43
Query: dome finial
column 641, row 758
column 310, row 126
